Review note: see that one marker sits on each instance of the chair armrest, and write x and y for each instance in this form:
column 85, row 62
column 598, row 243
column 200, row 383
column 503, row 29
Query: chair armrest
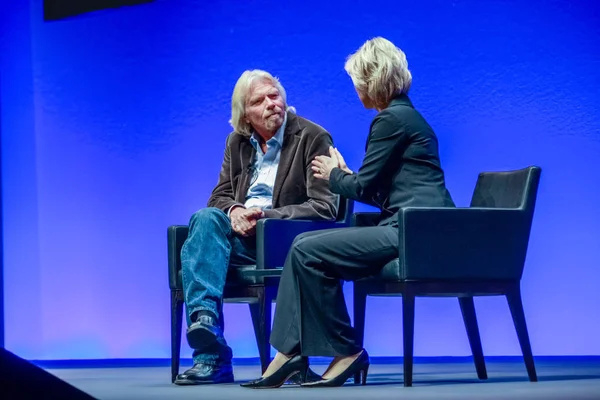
column 462, row 243
column 176, row 236
column 365, row 218
column 261, row 273
column 274, row 238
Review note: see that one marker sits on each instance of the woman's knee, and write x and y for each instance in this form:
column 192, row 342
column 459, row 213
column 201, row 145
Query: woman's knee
column 304, row 237
column 302, row 246
column 298, row 239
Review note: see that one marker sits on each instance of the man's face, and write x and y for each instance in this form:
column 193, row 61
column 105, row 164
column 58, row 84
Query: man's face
column 265, row 110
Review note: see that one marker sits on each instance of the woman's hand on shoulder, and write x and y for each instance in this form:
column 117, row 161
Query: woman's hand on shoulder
column 341, row 162
column 322, row 165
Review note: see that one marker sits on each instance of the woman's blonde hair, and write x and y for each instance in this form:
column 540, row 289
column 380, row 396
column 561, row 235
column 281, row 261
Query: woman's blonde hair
column 379, row 71
column 240, row 93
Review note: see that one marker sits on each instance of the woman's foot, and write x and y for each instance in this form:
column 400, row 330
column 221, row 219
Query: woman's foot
column 343, row 368
column 279, row 371
column 339, row 365
column 276, row 364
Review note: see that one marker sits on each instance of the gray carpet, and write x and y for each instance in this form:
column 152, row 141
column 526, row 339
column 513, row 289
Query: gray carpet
column 507, row 380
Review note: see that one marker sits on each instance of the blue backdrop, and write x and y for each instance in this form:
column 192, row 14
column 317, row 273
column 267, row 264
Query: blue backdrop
column 114, row 123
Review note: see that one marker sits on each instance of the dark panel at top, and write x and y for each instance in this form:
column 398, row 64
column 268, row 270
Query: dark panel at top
column 59, row 9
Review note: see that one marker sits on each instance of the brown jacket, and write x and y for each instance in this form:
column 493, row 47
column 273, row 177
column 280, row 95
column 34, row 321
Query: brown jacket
column 296, row 193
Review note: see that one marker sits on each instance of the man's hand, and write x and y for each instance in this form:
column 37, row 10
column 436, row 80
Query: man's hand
column 243, row 220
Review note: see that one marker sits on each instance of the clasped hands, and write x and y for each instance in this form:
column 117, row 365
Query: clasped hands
column 243, row 220
column 322, row 165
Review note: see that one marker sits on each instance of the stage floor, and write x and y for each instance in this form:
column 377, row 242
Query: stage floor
column 558, row 379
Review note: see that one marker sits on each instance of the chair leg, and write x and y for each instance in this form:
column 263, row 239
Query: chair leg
column 261, row 319
column 515, row 305
column 176, row 323
column 408, row 332
column 360, row 306
column 467, row 307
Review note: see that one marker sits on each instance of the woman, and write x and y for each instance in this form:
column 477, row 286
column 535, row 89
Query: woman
column 401, row 168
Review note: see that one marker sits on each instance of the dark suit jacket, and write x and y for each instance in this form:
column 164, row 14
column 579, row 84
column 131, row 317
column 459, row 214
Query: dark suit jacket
column 296, row 193
column 401, row 167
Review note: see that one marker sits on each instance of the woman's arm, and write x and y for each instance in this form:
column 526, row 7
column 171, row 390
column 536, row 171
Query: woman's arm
column 387, row 140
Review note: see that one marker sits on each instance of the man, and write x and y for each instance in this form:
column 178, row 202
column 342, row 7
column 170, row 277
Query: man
column 265, row 174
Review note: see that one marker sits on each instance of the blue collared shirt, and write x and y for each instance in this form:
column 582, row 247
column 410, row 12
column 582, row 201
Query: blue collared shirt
column 260, row 193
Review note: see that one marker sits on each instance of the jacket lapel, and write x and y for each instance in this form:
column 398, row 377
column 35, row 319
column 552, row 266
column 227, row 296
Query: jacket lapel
column 247, row 154
column 288, row 149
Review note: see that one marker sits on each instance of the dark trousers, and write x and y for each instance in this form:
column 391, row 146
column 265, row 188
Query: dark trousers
column 311, row 316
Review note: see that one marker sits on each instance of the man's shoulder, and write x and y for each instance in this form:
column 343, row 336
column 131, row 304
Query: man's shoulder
column 234, row 139
column 309, row 129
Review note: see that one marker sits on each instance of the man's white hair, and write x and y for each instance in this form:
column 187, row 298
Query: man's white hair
column 379, row 71
column 240, row 94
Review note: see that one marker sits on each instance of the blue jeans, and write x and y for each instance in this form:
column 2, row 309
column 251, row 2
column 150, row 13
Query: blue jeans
column 212, row 247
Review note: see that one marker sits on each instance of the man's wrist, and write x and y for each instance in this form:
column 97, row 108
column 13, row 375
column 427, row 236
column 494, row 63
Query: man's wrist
column 234, row 207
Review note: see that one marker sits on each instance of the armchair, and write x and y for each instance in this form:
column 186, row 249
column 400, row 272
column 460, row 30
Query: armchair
column 460, row 252
column 255, row 285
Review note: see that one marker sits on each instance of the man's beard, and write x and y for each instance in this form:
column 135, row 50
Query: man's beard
column 273, row 123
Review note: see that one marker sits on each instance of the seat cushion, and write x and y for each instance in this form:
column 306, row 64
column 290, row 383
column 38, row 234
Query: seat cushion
column 234, row 277
column 393, row 272
column 390, row 271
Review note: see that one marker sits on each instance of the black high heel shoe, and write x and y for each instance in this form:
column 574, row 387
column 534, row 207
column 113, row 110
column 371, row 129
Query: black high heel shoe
column 358, row 369
column 295, row 365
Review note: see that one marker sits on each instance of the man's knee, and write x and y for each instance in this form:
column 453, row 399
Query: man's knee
column 206, row 215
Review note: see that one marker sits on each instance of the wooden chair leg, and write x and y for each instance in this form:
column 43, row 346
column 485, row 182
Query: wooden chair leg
column 261, row 319
column 515, row 305
column 408, row 332
column 360, row 308
column 467, row 307
column 176, row 324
